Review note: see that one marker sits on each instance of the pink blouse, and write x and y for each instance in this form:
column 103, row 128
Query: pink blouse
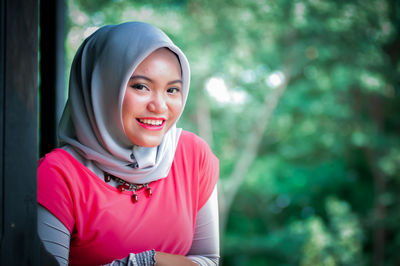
column 106, row 225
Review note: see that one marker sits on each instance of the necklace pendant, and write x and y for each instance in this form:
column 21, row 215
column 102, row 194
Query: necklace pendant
column 134, row 198
column 149, row 192
column 123, row 187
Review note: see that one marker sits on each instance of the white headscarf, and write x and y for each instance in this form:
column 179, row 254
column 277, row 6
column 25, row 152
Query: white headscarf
column 92, row 119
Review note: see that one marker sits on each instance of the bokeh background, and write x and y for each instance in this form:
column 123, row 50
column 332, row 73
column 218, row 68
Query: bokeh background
column 300, row 100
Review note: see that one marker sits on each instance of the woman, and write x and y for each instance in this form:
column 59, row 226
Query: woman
column 127, row 187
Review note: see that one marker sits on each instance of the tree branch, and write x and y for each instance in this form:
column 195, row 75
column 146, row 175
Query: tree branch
column 229, row 188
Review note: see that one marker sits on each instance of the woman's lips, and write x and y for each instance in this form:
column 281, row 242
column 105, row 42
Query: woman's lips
column 154, row 124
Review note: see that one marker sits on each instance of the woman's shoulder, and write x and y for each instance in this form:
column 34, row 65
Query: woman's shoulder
column 194, row 146
column 60, row 159
column 203, row 163
column 58, row 184
column 59, row 169
column 188, row 138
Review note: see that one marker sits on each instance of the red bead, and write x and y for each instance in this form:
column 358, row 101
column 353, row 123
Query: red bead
column 121, row 188
column 107, row 178
column 134, row 198
column 149, row 192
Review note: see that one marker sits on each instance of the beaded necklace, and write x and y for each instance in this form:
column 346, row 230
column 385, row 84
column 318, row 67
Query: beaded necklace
column 123, row 185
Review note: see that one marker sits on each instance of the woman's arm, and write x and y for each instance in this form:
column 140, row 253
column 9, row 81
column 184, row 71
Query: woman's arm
column 56, row 238
column 205, row 246
column 54, row 235
column 204, row 251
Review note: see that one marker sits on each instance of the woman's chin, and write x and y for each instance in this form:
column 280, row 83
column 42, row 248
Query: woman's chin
column 148, row 142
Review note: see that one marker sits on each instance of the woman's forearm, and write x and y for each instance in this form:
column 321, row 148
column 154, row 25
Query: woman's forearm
column 165, row 259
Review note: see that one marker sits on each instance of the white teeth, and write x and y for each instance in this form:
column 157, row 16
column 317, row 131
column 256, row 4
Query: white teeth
column 151, row 122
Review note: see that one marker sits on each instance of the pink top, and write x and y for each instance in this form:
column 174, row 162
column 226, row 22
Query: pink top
column 104, row 223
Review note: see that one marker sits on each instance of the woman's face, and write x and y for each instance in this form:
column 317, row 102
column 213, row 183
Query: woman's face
column 153, row 98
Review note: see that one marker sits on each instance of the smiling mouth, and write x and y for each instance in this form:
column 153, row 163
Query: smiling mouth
column 151, row 124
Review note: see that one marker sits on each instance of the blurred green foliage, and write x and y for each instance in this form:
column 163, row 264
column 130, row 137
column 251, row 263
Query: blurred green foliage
column 323, row 186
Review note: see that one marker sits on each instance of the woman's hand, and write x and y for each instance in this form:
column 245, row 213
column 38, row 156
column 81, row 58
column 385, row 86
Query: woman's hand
column 165, row 259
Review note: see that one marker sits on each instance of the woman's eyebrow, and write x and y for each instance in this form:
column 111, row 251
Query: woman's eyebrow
column 141, row 77
column 150, row 80
column 175, row 81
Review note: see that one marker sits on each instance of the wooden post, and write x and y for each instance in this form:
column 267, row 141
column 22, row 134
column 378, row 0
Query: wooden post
column 18, row 132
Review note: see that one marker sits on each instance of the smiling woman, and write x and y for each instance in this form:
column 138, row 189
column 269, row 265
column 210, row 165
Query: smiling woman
column 127, row 187
column 153, row 98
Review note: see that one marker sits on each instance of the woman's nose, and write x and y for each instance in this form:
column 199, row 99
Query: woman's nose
column 158, row 103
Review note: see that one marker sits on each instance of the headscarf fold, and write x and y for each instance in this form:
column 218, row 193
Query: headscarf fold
column 92, row 122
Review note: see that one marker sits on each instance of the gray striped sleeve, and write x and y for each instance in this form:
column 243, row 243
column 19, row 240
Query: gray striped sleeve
column 205, row 246
column 54, row 235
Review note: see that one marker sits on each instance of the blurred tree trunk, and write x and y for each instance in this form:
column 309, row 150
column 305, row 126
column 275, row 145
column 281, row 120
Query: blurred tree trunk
column 229, row 187
column 203, row 117
column 379, row 211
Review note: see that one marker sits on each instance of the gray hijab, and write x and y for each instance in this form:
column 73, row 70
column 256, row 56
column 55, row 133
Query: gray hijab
column 92, row 123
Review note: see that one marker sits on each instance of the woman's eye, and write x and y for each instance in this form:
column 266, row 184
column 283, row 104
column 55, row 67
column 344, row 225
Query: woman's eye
column 173, row 90
column 139, row 87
